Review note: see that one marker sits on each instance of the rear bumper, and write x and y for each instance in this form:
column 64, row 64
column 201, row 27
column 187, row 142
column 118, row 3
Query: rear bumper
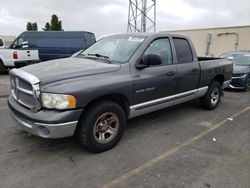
column 19, row 64
column 45, row 123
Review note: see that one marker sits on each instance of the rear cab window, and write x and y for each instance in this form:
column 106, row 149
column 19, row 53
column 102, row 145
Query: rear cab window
column 183, row 50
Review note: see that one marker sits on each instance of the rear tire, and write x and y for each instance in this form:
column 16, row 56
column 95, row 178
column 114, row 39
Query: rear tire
column 102, row 126
column 212, row 98
column 3, row 69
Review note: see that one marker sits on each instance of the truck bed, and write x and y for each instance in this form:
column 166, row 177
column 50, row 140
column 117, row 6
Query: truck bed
column 208, row 58
column 214, row 66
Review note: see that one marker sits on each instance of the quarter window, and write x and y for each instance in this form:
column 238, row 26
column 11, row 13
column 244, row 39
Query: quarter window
column 183, row 51
column 18, row 43
column 163, row 48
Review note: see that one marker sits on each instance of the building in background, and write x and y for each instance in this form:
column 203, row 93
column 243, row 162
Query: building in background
column 215, row 41
column 7, row 39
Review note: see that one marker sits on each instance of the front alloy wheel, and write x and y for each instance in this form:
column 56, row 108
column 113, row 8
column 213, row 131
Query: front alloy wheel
column 101, row 126
column 106, row 128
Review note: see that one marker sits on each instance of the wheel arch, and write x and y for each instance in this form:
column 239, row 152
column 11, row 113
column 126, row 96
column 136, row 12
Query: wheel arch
column 115, row 97
column 218, row 78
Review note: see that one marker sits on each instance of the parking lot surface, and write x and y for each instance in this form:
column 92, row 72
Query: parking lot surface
column 182, row 146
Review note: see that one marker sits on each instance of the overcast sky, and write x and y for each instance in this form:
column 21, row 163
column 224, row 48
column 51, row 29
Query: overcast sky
column 110, row 16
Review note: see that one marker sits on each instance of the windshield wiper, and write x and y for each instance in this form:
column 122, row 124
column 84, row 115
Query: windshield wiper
column 81, row 55
column 102, row 56
column 99, row 55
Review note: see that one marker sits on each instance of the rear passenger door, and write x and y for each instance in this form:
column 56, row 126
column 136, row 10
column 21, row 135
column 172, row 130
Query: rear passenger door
column 188, row 70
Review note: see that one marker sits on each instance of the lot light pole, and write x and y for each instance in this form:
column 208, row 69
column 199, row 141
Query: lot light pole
column 141, row 16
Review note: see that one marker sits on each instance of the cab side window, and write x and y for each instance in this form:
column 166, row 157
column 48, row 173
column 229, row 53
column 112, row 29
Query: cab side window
column 163, row 48
column 183, row 51
column 18, row 43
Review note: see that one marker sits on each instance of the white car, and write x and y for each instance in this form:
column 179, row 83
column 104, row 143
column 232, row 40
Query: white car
column 10, row 58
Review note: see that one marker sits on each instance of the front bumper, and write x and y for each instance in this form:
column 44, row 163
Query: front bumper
column 238, row 82
column 226, row 84
column 45, row 123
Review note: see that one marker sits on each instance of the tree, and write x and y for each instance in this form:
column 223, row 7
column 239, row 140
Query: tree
column 31, row 26
column 54, row 25
column 35, row 27
column 47, row 27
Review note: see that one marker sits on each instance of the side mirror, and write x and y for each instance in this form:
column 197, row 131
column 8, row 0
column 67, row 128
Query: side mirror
column 149, row 60
column 2, row 45
column 25, row 44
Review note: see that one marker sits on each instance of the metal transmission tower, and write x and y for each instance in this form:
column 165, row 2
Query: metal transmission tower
column 141, row 16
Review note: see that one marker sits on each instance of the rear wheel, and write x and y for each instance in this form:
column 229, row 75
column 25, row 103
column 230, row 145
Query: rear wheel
column 102, row 126
column 3, row 69
column 212, row 97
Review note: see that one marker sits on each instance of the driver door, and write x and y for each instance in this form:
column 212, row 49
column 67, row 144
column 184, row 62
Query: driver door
column 154, row 83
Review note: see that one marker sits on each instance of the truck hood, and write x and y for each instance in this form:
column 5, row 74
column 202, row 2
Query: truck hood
column 66, row 68
column 241, row 69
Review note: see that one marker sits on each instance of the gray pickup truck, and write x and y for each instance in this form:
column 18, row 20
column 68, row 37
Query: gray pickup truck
column 120, row 77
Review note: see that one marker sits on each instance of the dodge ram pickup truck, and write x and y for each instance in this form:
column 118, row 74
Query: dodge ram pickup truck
column 119, row 77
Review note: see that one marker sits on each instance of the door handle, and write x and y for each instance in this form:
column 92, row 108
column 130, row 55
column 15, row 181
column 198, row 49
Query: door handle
column 195, row 70
column 171, row 73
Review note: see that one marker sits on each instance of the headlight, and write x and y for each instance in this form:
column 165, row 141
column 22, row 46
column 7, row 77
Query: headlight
column 58, row 101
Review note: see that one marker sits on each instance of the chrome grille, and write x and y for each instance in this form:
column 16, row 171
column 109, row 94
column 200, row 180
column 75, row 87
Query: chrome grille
column 27, row 99
column 25, row 89
column 25, row 85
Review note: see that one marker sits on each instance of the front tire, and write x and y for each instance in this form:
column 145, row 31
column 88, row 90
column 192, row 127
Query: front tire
column 246, row 88
column 102, row 126
column 212, row 98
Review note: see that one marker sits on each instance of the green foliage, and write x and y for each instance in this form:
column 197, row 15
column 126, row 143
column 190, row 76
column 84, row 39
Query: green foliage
column 35, row 27
column 54, row 25
column 31, row 26
column 47, row 27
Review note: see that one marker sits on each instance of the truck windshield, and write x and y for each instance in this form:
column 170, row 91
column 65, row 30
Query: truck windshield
column 117, row 49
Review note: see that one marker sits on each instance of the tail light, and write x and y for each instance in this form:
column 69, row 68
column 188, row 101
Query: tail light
column 15, row 55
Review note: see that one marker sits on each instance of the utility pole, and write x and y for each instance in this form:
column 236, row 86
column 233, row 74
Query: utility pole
column 141, row 16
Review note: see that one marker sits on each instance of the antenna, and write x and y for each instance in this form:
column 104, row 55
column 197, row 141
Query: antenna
column 141, row 16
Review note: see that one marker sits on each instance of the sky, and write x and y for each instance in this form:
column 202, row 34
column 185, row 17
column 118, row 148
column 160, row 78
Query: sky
column 104, row 17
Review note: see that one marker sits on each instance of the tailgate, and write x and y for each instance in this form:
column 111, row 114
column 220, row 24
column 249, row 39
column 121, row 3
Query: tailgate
column 27, row 55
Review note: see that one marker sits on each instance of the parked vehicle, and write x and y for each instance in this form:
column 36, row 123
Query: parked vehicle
column 10, row 58
column 118, row 78
column 2, row 44
column 55, row 44
column 241, row 69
